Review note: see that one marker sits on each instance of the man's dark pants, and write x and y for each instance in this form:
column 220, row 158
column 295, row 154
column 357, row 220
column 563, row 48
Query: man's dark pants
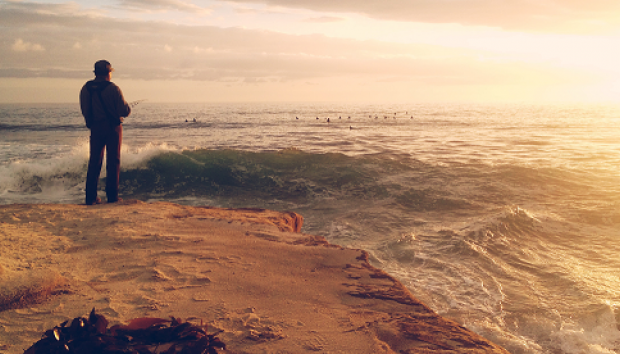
column 103, row 136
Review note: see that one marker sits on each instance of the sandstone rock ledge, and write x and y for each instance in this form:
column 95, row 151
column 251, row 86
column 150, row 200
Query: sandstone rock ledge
column 245, row 272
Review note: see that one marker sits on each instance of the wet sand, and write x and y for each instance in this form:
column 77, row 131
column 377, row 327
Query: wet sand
column 249, row 274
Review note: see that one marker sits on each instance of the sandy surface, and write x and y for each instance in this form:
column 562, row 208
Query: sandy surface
column 247, row 273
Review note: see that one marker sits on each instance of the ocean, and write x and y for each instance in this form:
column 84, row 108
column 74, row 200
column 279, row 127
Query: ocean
column 504, row 218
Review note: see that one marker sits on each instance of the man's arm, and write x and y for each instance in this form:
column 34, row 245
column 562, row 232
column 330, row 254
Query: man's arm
column 85, row 106
column 122, row 107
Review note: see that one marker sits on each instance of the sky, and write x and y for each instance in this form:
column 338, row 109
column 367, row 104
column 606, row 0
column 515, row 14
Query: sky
column 373, row 51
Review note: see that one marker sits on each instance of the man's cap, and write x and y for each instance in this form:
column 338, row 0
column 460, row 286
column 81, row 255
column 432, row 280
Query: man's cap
column 103, row 67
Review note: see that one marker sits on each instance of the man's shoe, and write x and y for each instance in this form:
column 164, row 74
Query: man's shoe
column 93, row 202
column 116, row 200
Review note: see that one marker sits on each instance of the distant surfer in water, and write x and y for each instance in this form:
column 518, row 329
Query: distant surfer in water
column 103, row 107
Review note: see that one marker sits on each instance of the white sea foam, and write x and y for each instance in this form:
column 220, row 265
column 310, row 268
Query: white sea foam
column 18, row 175
column 599, row 337
column 137, row 156
column 61, row 178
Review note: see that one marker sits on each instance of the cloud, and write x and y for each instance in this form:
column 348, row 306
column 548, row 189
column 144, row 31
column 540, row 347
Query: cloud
column 567, row 16
column 199, row 50
column 59, row 9
column 137, row 50
column 21, row 46
column 246, row 10
column 164, row 5
column 324, row 19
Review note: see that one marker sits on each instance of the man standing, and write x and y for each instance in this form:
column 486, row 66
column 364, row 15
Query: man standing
column 103, row 107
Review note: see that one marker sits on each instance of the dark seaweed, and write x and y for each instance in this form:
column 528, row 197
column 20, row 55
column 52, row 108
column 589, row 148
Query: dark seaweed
column 92, row 336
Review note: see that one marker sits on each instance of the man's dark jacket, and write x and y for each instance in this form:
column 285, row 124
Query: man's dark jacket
column 90, row 102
